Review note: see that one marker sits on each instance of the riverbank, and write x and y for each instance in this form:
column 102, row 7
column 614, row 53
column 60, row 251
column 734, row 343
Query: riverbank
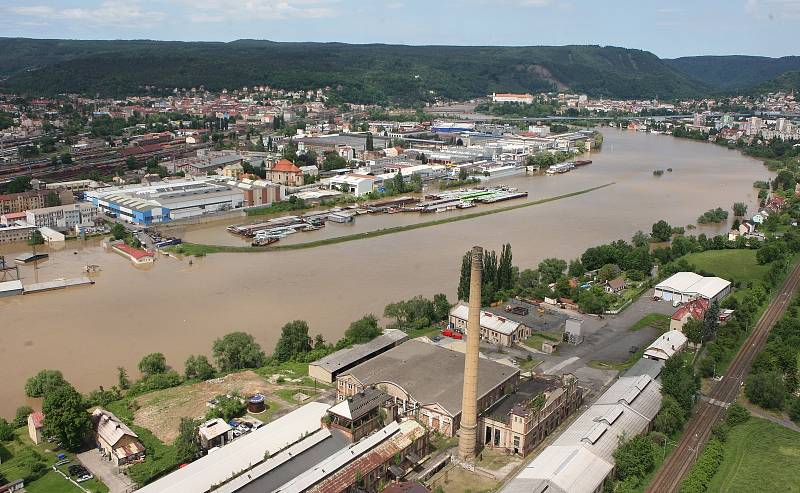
column 198, row 249
column 177, row 308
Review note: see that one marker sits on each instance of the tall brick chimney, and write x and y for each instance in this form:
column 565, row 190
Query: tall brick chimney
column 467, row 444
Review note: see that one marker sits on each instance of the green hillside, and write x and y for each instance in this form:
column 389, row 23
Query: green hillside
column 734, row 71
column 365, row 73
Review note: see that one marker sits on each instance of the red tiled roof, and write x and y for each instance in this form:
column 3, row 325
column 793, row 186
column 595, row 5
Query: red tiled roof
column 695, row 308
column 38, row 419
column 286, row 166
column 133, row 252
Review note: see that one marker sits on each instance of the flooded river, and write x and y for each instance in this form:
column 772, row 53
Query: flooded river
column 179, row 309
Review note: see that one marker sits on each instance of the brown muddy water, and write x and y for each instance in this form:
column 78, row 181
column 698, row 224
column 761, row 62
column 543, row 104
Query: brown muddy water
column 179, row 309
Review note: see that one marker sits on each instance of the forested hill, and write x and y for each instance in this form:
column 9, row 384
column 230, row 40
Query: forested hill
column 363, row 73
column 734, row 71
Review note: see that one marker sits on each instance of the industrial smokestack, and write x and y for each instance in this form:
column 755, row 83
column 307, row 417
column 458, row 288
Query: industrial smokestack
column 467, row 444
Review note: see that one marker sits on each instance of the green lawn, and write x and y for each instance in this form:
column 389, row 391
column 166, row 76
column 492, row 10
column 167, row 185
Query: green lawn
column 733, row 265
column 20, row 454
column 536, row 340
column 759, row 456
column 655, row 320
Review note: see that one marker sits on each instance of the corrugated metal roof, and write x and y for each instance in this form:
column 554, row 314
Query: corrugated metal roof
column 241, row 454
column 347, row 356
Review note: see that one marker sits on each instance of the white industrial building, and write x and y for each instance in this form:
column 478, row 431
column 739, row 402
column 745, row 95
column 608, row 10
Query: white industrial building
column 63, row 217
column 686, row 286
column 353, row 183
column 494, row 328
column 164, row 202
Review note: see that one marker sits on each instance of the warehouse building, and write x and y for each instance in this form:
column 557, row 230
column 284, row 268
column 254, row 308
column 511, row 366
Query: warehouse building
column 331, row 366
column 164, row 202
column 426, row 381
column 687, row 286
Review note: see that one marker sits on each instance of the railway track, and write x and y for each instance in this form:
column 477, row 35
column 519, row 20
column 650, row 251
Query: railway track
column 669, row 478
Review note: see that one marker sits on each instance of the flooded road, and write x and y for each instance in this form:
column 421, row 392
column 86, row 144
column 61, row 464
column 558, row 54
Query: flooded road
column 179, row 309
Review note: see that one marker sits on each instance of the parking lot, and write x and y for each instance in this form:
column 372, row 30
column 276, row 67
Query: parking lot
column 106, row 472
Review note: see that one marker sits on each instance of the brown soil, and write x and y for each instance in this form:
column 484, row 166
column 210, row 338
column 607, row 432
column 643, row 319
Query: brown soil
column 161, row 411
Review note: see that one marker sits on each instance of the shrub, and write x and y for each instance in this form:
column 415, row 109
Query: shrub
column 43, row 381
column 736, row 414
column 21, row 416
column 704, row 469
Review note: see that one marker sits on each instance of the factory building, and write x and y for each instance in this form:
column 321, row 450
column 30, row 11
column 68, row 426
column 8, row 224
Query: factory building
column 494, row 328
column 63, row 217
column 164, row 202
column 426, row 381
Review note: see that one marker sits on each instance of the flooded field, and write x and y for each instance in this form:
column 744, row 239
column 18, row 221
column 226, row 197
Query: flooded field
column 179, row 309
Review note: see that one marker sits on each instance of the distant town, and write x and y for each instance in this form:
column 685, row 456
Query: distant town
column 649, row 363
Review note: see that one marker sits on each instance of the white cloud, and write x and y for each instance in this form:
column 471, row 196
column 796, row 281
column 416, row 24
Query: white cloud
column 224, row 10
column 107, row 12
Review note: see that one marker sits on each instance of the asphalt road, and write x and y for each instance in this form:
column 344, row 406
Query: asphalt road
column 669, row 478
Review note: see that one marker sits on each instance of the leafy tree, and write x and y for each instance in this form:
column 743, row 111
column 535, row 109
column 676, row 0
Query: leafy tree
column 187, row 443
column 370, row 145
column 122, row 378
column 576, row 268
column 237, row 350
column 670, row 418
column 794, row 410
column 363, row 330
column 43, row 382
column 736, row 414
column 416, row 313
column 640, row 239
column 6, row 430
column 227, row 407
column 198, row 367
column 441, row 307
column 293, row 342
column 693, row 330
column 766, row 389
column 661, row 231
column 152, row 364
column 607, row 272
column 65, row 416
column 635, row 458
column 36, row 238
column 463, row 282
column 770, row 251
column 118, row 231
column 551, row 269
column 398, row 183
column 19, row 184
column 21, row 416
column 52, row 199
column 593, row 300
column 505, row 269
column 678, row 381
column 739, row 209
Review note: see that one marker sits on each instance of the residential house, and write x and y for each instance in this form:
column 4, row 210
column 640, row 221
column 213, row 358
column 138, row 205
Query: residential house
column 285, row 173
column 35, row 427
column 113, row 437
column 694, row 309
column 616, row 285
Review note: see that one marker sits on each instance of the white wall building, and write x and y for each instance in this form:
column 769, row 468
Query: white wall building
column 686, row 286
column 63, row 217
column 355, row 184
column 666, row 346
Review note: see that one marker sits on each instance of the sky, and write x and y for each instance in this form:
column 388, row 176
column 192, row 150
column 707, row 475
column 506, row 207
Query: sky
column 667, row 28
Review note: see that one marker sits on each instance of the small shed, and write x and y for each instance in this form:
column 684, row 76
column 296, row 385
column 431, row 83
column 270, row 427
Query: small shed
column 214, row 433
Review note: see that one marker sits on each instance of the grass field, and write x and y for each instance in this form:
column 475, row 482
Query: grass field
column 734, row 265
column 655, row 320
column 535, row 341
column 759, row 456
